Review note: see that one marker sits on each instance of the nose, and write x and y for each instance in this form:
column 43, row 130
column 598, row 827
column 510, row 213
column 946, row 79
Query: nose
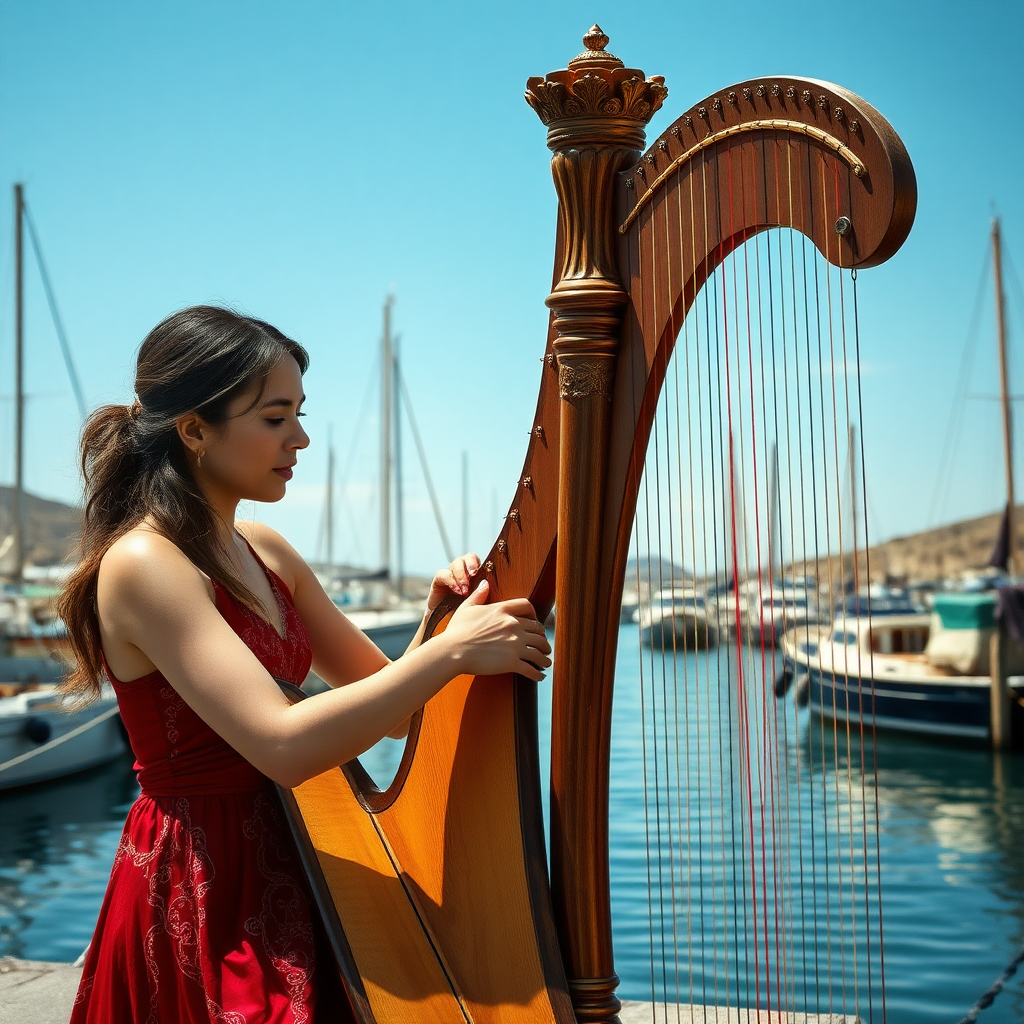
column 301, row 439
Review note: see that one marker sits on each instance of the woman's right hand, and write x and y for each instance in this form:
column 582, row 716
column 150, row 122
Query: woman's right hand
column 492, row 639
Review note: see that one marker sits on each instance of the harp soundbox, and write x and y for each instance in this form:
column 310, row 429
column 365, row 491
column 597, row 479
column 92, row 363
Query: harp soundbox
column 437, row 892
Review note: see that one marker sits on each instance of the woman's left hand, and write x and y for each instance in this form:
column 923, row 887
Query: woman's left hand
column 456, row 579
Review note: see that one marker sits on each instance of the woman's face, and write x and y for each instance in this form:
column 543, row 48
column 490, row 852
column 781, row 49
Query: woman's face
column 250, row 456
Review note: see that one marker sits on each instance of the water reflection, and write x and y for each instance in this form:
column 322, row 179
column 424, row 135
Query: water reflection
column 765, row 889
column 57, row 843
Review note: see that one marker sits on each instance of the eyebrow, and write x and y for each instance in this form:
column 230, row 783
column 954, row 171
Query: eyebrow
column 281, row 401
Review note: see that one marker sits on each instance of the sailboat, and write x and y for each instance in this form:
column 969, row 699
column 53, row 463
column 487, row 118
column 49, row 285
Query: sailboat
column 389, row 618
column 41, row 738
column 912, row 671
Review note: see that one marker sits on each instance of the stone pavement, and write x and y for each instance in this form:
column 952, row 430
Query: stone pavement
column 35, row 992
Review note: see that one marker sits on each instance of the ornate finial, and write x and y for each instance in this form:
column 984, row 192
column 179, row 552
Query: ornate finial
column 595, row 39
column 596, row 89
column 594, row 55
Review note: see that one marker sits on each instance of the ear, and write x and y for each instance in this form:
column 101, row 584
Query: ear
column 193, row 431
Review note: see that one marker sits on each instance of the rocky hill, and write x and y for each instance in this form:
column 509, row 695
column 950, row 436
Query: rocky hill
column 51, row 530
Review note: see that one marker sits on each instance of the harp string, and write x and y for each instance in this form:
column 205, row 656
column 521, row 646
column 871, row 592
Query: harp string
column 733, row 893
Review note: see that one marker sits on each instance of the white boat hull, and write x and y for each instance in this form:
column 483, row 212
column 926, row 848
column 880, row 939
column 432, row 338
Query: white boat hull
column 64, row 743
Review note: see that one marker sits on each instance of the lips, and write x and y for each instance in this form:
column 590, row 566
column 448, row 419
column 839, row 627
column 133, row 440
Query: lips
column 284, row 472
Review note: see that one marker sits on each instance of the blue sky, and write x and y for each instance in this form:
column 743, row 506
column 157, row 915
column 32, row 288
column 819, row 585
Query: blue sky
column 300, row 160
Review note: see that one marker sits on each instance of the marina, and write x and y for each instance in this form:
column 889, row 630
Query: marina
column 951, row 827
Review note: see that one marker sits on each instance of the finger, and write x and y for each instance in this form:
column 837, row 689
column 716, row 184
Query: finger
column 538, row 644
column 461, row 575
column 472, row 561
column 532, row 625
column 519, row 607
column 528, row 669
column 480, row 595
column 536, row 653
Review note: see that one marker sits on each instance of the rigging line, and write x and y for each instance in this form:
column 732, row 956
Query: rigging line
column 1011, row 276
column 957, row 408
column 51, row 301
column 871, row 664
column 421, row 451
column 350, row 458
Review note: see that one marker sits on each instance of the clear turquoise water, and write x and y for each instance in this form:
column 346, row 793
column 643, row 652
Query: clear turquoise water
column 951, row 841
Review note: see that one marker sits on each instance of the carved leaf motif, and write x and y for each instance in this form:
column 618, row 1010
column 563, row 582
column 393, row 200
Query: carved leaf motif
column 590, row 92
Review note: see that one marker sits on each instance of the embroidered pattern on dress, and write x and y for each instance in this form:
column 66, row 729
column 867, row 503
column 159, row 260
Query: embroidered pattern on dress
column 180, row 903
column 284, row 922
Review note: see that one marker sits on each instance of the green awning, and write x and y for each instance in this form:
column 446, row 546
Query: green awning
column 966, row 611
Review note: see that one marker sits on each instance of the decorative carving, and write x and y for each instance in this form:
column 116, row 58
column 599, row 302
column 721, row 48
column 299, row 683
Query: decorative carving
column 527, row 482
column 489, row 566
column 502, row 546
column 775, row 89
column 839, row 113
column 747, row 94
column 662, row 145
column 651, row 158
column 675, row 131
column 717, row 104
column 581, row 379
column 702, row 113
column 596, row 85
column 731, row 97
column 791, row 92
column 823, row 101
column 538, row 432
column 514, row 515
column 855, row 126
column 761, row 90
column 773, row 124
column 630, row 184
column 807, row 96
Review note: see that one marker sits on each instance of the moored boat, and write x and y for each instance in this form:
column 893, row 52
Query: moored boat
column 676, row 619
column 42, row 739
column 904, row 671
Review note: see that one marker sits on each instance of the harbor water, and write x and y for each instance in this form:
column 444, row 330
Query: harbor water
column 950, row 843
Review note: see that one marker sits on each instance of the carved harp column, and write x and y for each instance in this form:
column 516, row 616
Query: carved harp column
column 596, row 111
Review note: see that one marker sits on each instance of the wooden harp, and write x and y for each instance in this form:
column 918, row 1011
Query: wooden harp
column 436, row 891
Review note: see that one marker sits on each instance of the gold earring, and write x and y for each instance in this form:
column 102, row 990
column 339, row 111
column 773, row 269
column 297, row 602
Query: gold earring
column 199, row 458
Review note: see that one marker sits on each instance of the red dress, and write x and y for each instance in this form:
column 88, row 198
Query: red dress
column 207, row 915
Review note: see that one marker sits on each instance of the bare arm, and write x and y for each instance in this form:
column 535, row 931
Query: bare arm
column 151, row 596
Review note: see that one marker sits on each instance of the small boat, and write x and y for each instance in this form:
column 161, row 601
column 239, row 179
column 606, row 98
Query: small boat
column 41, row 739
column 676, row 619
column 780, row 607
column 903, row 670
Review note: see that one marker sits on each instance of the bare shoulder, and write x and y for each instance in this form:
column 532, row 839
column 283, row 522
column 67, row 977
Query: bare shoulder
column 276, row 552
column 144, row 568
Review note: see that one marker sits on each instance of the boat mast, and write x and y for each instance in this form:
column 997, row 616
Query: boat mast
column 329, row 505
column 387, row 362
column 1011, row 561
column 19, row 390
column 399, row 524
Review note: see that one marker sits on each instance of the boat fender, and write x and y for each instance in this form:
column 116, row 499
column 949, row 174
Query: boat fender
column 37, row 729
column 784, row 680
column 803, row 690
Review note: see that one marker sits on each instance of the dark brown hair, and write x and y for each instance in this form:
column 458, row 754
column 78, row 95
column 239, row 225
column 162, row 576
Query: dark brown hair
column 134, row 464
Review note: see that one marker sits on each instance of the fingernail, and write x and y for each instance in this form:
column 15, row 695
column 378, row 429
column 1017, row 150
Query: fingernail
column 473, row 572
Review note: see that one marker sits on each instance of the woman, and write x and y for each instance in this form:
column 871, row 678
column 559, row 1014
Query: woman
column 195, row 618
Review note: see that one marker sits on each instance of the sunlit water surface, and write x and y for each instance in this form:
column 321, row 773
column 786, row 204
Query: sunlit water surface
column 951, row 843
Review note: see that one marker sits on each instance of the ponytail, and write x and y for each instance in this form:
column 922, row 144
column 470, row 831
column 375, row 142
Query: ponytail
column 135, row 468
